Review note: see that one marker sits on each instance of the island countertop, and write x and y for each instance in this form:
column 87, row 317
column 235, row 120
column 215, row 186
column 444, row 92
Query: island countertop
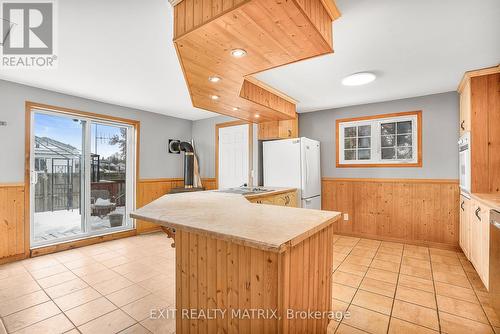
column 233, row 218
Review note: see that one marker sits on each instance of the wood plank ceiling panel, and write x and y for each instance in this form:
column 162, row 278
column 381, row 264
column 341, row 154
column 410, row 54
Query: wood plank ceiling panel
column 273, row 33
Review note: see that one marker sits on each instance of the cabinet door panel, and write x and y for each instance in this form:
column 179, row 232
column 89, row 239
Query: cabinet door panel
column 475, row 254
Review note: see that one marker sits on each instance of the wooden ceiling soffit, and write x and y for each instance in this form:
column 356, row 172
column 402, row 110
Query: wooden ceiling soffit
column 272, row 32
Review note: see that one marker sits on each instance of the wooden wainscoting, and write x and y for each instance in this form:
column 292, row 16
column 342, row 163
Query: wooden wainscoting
column 416, row 211
column 11, row 222
column 150, row 189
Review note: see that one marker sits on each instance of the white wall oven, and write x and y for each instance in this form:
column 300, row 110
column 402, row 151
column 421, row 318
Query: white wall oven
column 465, row 168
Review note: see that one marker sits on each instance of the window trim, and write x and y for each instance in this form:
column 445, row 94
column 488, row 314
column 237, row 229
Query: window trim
column 418, row 163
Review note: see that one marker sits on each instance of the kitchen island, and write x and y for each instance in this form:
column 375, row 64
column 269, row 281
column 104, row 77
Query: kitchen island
column 244, row 267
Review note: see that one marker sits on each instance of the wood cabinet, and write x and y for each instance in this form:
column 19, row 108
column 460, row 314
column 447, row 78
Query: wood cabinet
column 13, row 235
column 479, row 238
column 479, row 113
column 279, row 129
column 465, row 225
column 465, row 108
column 283, row 199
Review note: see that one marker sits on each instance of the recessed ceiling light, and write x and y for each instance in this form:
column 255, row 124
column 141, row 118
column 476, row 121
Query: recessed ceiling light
column 214, row 97
column 358, row 79
column 236, row 108
column 257, row 115
column 238, row 53
column 214, row 79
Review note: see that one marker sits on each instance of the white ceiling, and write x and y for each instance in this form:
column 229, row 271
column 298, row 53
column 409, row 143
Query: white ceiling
column 120, row 51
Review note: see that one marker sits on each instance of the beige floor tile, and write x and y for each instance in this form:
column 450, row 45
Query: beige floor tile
column 128, row 295
column 451, row 324
column 160, row 326
column 342, row 292
column 415, row 296
column 353, row 269
column 454, row 261
column 476, row 282
column 135, row 329
column 3, row 330
column 398, row 326
column 341, row 249
column 359, row 260
column 416, row 283
column 370, row 321
column 157, row 282
column 141, row 309
column 363, row 252
column 38, row 263
column 461, row 308
column 373, row 301
column 116, row 261
column 416, row 254
column 89, row 311
column 345, row 329
column 390, row 251
column 66, row 288
column 131, row 267
column 56, row 279
column 105, row 256
column 82, row 261
column 449, row 278
column 167, row 293
column 388, row 257
column 442, row 252
column 416, row 314
column 112, row 285
column 468, row 267
column 385, row 265
column 110, row 323
column 23, row 302
column 141, row 275
column 76, row 298
column 417, row 263
column 415, row 271
column 380, row 287
column 392, row 245
column 339, row 306
column 99, row 276
column 458, row 270
column 492, row 316
column 21, row 288
column 331, row 328
column 346, row 279
column 457, row 292
column 382, row 275
column 56, row 324
column 49, row 271
column 89, row 269
column 29, row 316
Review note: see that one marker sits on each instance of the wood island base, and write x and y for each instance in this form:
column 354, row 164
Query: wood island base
column 228, row 287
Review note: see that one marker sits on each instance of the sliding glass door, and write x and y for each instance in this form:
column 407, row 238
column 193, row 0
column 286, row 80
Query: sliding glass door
column 82, row 177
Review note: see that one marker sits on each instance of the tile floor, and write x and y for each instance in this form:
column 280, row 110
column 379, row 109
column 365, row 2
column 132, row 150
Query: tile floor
column 111, row 288
column 395, row 288
column 105, row 288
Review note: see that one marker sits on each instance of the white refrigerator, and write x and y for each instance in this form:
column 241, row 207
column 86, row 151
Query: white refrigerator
column 294, row 163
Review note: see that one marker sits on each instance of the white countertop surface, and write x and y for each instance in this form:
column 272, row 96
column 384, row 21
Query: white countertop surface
column 232, row 217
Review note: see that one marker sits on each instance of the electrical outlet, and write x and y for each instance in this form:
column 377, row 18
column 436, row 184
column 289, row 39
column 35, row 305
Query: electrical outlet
column 3, row 123
column 346, row 216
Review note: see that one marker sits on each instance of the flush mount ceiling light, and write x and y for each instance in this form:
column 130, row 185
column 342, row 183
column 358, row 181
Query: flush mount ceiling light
column 236, row 108
column 257, row 115
column 358, row 79
column 214, row 97
column 238, row 53
column 214, row 79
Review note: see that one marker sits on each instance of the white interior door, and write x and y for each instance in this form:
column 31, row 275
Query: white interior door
column 233, row 161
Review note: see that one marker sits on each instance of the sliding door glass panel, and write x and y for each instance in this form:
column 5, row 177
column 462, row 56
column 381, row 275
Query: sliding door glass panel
column 57, row 177
column 108, row 176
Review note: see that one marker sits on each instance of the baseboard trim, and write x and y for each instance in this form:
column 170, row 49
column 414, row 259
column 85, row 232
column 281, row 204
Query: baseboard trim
column 431, row 244
column 12, row 258
column 81, row 243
